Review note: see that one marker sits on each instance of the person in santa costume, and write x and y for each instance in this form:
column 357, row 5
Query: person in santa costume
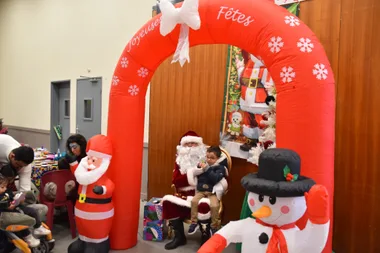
column 278, row 197
column 176, row 208
column 252, row 76
column 94, row 209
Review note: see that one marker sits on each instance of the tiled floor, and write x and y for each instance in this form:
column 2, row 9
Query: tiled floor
column 63, row 239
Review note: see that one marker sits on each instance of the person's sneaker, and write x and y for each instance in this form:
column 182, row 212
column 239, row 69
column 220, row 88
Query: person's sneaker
column 31, row 241
column 193, row 228
column 41, row 231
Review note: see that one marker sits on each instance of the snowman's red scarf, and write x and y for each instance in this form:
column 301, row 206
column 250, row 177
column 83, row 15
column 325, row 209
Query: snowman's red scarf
column 277, row 243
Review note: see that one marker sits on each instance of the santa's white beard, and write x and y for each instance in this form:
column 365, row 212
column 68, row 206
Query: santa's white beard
column 189, row 157
column 87, row 174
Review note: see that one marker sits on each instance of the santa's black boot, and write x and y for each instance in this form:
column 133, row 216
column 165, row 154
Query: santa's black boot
column 102, row 247
column 77, row 247
column 205, row 231
column 179, row 235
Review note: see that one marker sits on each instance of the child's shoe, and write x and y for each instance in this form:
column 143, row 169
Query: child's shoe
column 41, row 231
column 31, row 241
column 193, row 228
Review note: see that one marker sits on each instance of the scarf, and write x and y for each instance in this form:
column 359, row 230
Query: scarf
column 277, row 243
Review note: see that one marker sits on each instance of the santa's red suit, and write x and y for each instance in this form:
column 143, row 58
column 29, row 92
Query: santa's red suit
column 94, row 209
column 176, row 207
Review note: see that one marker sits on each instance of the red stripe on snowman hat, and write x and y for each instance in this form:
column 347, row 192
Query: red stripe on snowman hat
column 99, row 146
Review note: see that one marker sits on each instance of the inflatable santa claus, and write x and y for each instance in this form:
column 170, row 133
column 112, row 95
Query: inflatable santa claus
column 176, row 208
column 252, row 76
column 278, row 197
column 94, row 208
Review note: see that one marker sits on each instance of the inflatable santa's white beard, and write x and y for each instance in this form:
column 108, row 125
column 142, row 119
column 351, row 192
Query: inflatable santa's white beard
column 87, row 174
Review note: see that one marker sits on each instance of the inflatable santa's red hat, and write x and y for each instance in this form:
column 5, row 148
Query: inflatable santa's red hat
column 99, row 146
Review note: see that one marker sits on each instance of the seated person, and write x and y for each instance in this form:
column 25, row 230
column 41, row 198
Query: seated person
column 209, row 174
column 6, row 196
column 76, row 149
column 20, row 159
column 177, row 208
column 16, row 161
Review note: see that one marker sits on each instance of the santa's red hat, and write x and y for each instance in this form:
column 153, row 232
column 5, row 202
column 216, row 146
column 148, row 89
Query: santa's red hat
column 99, row 146
column 191, row 136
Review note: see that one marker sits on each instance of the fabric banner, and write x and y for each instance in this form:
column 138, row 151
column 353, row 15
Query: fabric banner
column 245, row 95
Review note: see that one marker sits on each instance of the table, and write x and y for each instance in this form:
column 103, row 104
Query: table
column 40, row 166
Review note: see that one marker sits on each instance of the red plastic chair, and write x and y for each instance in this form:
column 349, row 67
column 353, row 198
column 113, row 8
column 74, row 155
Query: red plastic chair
column 60, row 178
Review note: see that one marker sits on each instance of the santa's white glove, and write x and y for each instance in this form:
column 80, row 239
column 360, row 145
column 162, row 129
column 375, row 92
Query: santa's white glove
column 198, row 171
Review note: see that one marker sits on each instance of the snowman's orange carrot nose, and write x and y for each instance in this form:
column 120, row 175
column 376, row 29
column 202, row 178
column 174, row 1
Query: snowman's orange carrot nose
column 263, row 212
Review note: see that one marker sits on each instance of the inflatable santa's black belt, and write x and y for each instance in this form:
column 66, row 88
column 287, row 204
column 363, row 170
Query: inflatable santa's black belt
column 97, row 201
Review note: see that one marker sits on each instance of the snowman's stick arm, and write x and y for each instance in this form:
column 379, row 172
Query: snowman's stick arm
column 231, row 233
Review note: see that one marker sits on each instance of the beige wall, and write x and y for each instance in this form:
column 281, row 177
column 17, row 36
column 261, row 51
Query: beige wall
column 50, row 40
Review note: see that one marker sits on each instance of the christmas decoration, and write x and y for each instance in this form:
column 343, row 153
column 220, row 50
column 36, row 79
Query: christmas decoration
column 274, row 228
column 94, row 208
column 268, row 137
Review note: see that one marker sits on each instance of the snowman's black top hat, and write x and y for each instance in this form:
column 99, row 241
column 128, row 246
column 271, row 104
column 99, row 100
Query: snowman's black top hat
column 278, row 175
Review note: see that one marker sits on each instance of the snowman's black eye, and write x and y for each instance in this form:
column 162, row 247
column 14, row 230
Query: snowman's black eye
column 272, row 200
column 261, row 198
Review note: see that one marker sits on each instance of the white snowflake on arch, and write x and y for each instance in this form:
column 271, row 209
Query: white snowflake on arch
column 320, row 71
column 124, row 62
column 287, row 74
column 275, row 44
column 133, row 90
column 142, row 72
column 292, row 21
column 115, row 80
column 305, row 45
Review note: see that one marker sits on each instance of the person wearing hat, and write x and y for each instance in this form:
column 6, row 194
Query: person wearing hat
column 278, row 197
column 3, row 130
column 176, row 208
column 94, row 209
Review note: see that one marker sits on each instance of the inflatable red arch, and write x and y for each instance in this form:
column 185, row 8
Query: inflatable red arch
column 295, row 59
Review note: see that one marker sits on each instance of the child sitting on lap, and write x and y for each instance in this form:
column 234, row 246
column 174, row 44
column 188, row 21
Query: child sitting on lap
column 209, row 176
column 6, row 196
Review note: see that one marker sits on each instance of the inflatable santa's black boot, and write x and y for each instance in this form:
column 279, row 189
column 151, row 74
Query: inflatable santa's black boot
column 102, row 247
column 179, row 235
column 77, row 247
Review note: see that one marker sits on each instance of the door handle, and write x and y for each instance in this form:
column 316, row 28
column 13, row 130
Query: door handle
column 77, row 130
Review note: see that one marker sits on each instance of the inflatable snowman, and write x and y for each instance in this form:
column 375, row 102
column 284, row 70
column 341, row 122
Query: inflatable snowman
column 278, row 197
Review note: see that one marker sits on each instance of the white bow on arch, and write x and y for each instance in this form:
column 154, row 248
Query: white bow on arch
column 187, row 16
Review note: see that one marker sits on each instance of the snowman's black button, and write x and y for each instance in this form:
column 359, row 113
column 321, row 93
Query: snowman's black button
column 263, row 238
